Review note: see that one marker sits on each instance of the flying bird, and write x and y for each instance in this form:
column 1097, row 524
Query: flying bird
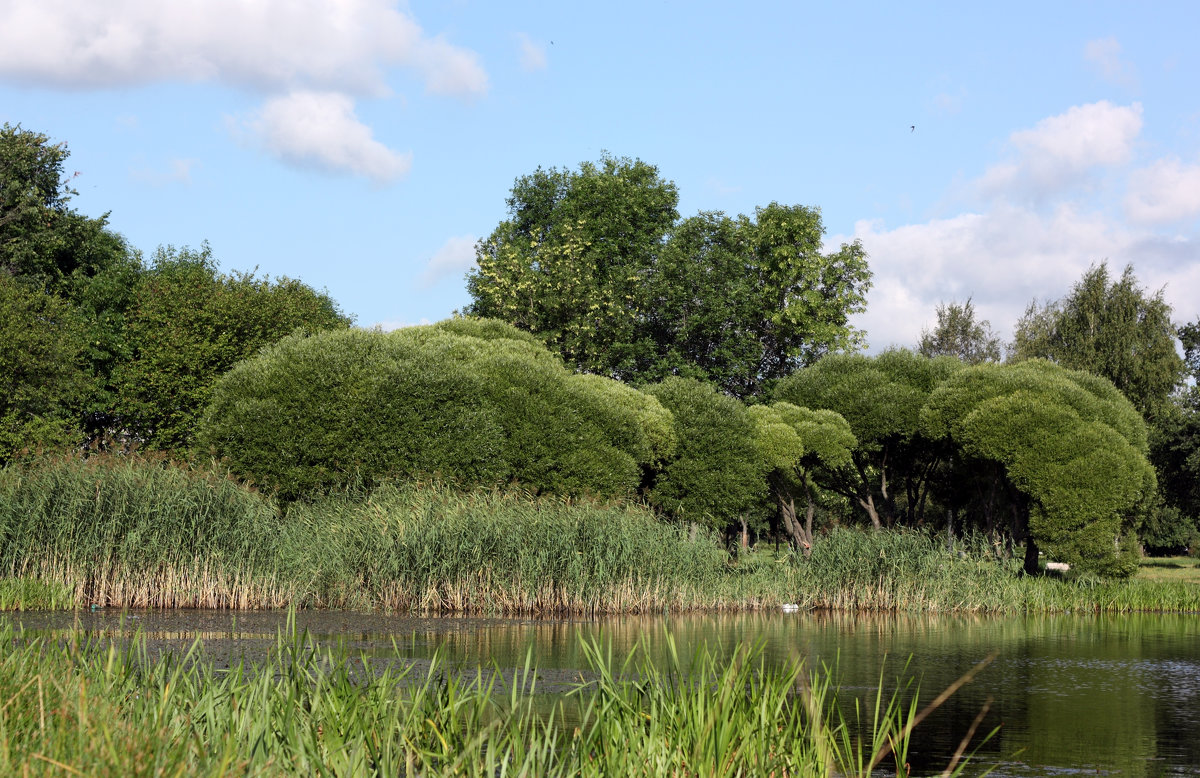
column 912, row 128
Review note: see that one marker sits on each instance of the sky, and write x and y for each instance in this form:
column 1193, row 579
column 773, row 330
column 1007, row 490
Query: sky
column 977, row 150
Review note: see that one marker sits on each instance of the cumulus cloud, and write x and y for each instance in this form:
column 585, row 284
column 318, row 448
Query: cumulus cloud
column 1104, row 55
column 455, row 257
column 270, row 45
column 320, row 130
column 1166, row 191
column 1059, row 152
column 1015, row 249
column 533, row 56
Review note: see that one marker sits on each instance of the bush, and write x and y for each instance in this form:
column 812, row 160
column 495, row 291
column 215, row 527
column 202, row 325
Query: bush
column 477, row 403
column 717, row 475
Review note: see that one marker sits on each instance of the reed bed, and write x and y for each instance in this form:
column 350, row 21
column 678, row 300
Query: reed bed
column 127, row 532
column 80, row 708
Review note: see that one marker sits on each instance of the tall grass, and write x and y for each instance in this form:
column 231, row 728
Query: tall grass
column 131, row 532
column 84, row 709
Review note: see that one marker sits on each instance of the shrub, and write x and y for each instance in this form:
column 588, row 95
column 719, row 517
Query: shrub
column 475, row 402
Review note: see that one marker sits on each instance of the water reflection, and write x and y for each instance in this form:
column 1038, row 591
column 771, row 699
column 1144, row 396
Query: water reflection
column 1114, row 694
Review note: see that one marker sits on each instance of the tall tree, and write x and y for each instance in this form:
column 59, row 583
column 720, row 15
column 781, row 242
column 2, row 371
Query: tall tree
column 596, row 263
column 1110, row 327
column 958, row 334
column 190, row 324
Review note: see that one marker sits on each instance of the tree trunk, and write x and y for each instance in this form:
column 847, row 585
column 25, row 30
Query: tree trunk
column 1031, row 556
column 745, row 535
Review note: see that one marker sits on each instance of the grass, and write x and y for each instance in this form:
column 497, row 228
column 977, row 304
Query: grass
column 126, row 532
column 1183, row 569
column 75, row 708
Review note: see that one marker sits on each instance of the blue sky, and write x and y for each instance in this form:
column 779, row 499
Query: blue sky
column 364, row 145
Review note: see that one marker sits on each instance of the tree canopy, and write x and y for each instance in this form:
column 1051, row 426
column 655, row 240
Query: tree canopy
column 475, row 402
column 958, row 334
column 188, row 325
column 1073, row 447
column 1112, row 328
column 598, row 265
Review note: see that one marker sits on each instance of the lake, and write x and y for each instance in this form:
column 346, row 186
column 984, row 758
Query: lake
column 1115, row 695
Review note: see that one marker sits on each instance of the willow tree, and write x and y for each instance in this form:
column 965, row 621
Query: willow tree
column 881, row 398
column 1070, row 447
column 797, row 445
column 476, row 403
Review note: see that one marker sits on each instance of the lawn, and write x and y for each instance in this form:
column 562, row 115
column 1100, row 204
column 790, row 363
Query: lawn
column 1171, row 568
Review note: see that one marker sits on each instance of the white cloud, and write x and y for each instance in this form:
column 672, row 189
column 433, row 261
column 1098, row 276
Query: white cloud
column 1166, row 191
column 533, row 56
column 455, row 257
column 1058, row 152
column 320, row 130
column 271, row 45
column 1104, row 54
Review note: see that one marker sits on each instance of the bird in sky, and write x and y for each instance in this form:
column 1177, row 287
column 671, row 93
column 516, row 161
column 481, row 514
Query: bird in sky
column 912, row 128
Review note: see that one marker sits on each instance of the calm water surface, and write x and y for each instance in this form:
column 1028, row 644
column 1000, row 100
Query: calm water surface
column 1116, row 695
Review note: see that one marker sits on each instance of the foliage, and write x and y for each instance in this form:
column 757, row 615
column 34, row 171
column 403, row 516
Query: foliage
column 478, row 403
column 715, row 477
column 798, row 444
column 881, row 397
column 43, row 382
column 1068, row 442
column 595, row 263
column 573, row 253
column 958, row 335
column 189, row 324
column 1111, row 328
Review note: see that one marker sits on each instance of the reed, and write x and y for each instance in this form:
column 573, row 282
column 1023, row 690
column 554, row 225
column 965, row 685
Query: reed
column 130, row 532
column 82, row 708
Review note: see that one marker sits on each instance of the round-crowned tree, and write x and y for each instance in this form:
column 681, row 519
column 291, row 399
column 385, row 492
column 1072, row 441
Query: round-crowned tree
column 1069, row 442
column 475, row 402
column 717, row 474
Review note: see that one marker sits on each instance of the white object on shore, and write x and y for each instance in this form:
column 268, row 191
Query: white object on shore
column 790, row 607
column 1061, row 567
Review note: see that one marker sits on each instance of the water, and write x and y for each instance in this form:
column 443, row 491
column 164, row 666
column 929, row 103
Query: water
column 1116, row 695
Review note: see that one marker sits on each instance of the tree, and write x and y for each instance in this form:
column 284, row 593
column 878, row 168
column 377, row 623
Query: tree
column 1071, row 448
column 881, row 398
column 715, row 477
column 47, row 245
column 1111, row 328
column 597, row 265
column 43, row 381
column 796, row 444
column 475, row 402
column 957, row 334
column 570, row 259
column 188, row 325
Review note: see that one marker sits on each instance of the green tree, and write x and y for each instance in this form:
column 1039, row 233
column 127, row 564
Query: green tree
column 43, row 381
column 1112, row 328
column 47, row 244
column 597, row 265
column 476, row 402
column 958, row 334
column 797, row 444
column 716, row 476
column 1071, row 446
column 569, row 261
column 881, row 397
column 188, row 325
